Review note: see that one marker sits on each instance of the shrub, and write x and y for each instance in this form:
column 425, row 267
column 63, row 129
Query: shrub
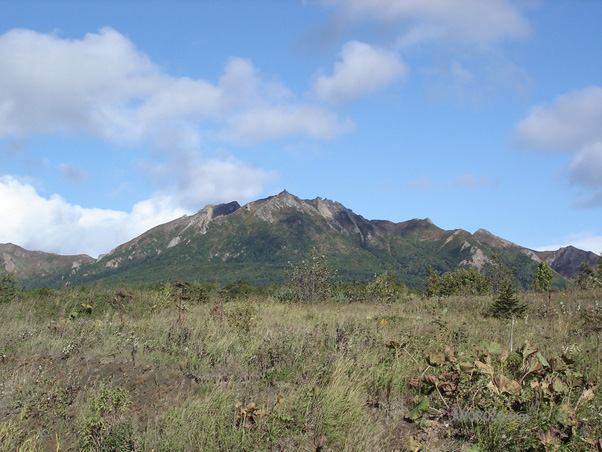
column 311, row 280
column 385, row 287
column 464, row 281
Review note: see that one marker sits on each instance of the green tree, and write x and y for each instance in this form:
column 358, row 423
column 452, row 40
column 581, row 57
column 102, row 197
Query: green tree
column 507, row 305
column 585, row 277
column 8, row 287
column 311, row 280
column 543, row 277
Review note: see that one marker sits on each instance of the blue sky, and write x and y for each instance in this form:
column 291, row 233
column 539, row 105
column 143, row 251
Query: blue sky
column 118, row 116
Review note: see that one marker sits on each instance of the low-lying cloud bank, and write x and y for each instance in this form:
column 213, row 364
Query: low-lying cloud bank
column 54, row 225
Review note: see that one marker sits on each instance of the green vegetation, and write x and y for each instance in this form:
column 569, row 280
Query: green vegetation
column 507, row 305
column 312, row 279
column 8, row 287
column 464, row 281
column 370, row 367
column 544, row 277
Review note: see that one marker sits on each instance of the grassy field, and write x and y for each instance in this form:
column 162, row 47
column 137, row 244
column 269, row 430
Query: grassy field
column 100, row 370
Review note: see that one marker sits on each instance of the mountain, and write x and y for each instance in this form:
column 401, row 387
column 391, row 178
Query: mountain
column 38, row 265
column 259, row 241
column 566, row 261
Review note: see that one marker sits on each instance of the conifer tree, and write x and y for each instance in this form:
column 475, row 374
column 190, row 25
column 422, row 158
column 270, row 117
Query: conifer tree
column 8, row 286
column 507, row 305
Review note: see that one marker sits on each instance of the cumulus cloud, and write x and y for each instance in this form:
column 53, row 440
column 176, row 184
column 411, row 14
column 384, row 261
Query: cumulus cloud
column 464, row 38
column 104, row 86
column 362, row 68
column 54, row 225
column 571, row 124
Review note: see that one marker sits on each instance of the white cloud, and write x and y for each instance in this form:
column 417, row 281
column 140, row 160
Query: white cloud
column 573, row 124
column 104, row 86
column 53, row 225
column 362, row 69
column 586, row 166
column 573, row 121
column 190, row 182
column 471, row 22
column 464, row 40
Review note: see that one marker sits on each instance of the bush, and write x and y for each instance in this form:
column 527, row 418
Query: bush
column 464, row 282
column 385, row 287
column 311, row 280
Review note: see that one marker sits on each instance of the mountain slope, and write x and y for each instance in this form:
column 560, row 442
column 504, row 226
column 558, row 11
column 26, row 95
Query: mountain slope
column 46, row 268
column 260, row 240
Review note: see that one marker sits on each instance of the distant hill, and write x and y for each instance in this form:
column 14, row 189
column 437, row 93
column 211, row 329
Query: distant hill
column 260, row 240
column 37, row 265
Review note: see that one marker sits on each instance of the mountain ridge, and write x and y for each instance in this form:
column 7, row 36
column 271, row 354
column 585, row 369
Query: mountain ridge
column 259, row 240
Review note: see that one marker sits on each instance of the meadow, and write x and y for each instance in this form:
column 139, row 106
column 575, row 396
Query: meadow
column 93, row 369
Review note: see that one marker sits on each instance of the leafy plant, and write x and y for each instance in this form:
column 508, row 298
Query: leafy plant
column 242, row 316
column 105, row 426
column 311, row 280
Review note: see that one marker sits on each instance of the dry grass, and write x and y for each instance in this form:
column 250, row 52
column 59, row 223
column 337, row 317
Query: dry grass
column 259, row 376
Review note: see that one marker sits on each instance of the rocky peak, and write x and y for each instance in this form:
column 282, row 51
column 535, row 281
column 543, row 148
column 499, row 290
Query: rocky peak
column 225, row 209
column 487, row 237
column 203, row 217
column 265, row 209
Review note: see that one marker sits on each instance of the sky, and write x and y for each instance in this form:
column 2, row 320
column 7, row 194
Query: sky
column 119, row 116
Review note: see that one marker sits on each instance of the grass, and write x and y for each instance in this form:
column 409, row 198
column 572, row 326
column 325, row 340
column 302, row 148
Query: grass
column 256, row 374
